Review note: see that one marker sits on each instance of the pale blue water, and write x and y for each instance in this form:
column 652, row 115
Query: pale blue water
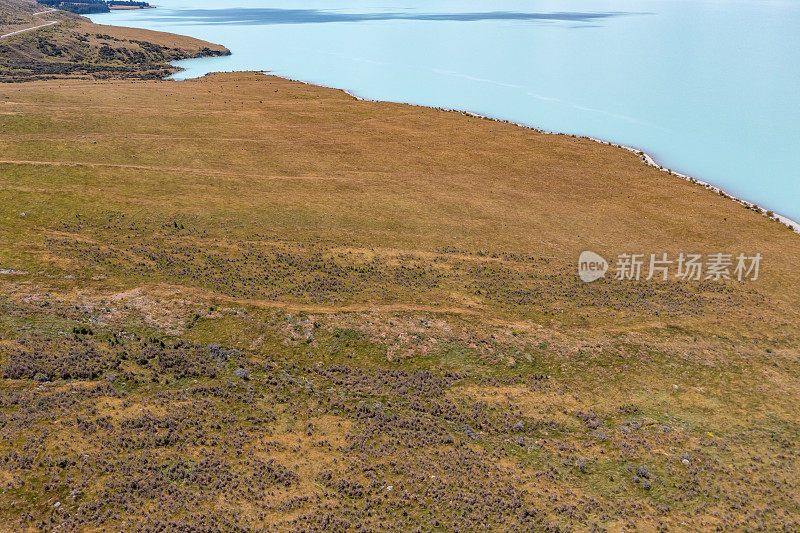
column 709, row 88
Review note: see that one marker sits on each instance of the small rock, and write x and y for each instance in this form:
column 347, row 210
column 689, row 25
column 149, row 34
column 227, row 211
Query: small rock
column 242, row 373
column 110, row 376
column 519, row 426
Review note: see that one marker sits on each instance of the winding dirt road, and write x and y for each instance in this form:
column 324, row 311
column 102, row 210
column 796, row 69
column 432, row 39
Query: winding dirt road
column 47, row 23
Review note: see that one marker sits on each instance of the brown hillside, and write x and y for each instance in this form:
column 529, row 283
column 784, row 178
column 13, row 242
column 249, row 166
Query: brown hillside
column 246, row 303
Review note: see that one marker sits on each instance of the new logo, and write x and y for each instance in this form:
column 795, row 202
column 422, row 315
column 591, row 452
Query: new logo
column 591, row 266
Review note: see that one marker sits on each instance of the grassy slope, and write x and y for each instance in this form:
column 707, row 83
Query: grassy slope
column 399, row 281
column 76, row 48
column 16, row 15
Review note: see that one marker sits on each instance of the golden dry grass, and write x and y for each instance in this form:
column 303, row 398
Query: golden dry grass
column 401, row 283
column 76, row 48
column 161, row 38
column 15, row 14
column 247, row 153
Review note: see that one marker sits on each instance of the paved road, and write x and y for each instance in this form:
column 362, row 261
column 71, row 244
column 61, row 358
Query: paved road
column 48, row 23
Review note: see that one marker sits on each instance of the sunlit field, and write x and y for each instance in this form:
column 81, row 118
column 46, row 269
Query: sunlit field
column 245, row 302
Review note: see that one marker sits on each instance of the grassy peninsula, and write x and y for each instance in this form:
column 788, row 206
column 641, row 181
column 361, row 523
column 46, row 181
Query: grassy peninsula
column 242, row 302
column 70, row 46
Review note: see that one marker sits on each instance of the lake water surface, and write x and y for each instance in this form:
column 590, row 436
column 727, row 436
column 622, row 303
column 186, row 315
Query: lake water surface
column 710, row 88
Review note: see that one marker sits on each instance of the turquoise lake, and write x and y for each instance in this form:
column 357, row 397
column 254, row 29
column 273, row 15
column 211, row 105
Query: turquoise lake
column 709, row 88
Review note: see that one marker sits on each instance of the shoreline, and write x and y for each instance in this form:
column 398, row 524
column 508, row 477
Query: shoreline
column 649, row 160
column 644, row 157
